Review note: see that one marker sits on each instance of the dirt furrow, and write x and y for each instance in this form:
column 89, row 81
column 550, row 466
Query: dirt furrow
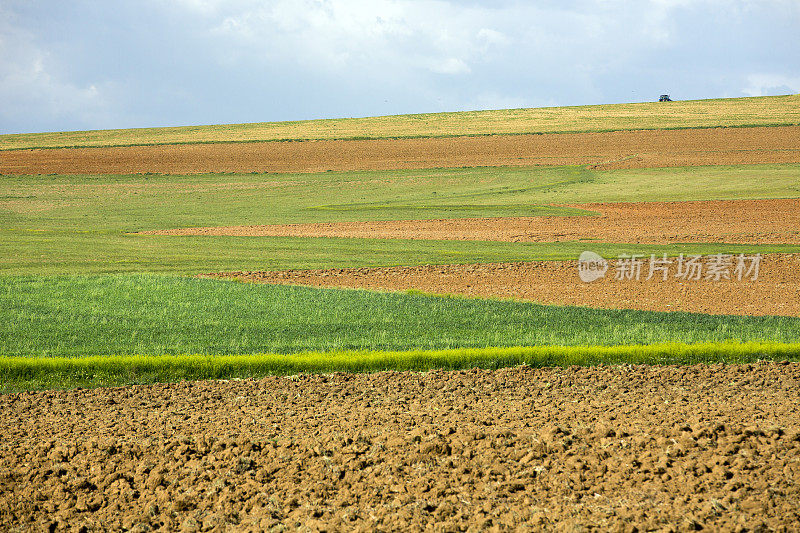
column 622, row 149
column 774, row 221
column 604, row 448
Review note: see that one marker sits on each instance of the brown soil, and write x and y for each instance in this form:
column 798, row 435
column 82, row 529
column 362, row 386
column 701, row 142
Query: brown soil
column 774, row 292
column 732, row 221
column 624, row 149
column 602, row 448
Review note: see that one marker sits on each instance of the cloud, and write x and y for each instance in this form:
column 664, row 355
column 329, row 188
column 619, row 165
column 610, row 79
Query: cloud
column 490, row 37
column 450, row 65
column 359, row 34
column 84, row 64
column 34, row 94
column 771, row 84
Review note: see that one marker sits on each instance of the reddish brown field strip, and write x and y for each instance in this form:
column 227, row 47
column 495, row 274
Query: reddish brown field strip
column 624, row 149
column 774, row 292
column 732, row 221
column 622, row 448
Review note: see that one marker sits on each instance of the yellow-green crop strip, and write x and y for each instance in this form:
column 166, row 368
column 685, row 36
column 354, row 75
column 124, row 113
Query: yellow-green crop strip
column 22, row 373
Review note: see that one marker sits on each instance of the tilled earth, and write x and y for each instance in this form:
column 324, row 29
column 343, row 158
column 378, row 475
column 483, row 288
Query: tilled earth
column 772, row 221
column 620, row 149
column 600, row 448
column 773, row 291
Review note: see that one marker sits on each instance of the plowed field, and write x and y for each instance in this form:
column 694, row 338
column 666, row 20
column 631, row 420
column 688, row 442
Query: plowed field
column 732, row 221
column 623, row 149
column 602, row 448
column 774, row 292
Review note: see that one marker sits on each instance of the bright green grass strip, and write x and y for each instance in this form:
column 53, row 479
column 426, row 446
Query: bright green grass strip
column 22, row 373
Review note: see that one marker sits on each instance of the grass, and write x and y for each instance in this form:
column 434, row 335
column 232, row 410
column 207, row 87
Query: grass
column 55, row 253
column 78, row 316
column 23, row 373
column 80, row 224
column 730, row 112
column 60, row 330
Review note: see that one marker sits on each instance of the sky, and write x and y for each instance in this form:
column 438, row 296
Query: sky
column 98, row 64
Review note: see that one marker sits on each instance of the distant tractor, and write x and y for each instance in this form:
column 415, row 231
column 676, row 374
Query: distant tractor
column 664, row 98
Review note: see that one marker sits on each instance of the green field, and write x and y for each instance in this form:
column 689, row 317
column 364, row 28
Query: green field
column 87, row 300
column 158, row 315
column 42, row 318
column 86, row 224
column 730, row 112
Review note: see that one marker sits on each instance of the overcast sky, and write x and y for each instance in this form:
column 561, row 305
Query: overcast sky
column 81, row 64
